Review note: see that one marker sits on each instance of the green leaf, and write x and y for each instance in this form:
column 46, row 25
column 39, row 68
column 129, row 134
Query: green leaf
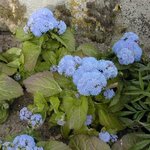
column 127, row 122
column 9, row 88
column 42, row 82
column 65, row 130
column 67, row 39
column 141, row 81
column 130, row 108
column 140, row 145
column 55, row 102
column 61, row 52
column 64, row 82
column 40, row 102
column 125, row 113
column 15, row 64
column 86, row 130
column 12, row 53
column 145, row 125
column 31, row 53
column 88, row 50
column 55, row 117
column 126, row 142
column 22, row 36
column 143, row 135
column 91, row 107
column 50, row 57
column 52, row 44
column 3, row 59
column 76, row 111
column 116, row 98
column 109, row 120
column 138, row 93
column 3, row 115
column 85, row 142
column 42, row 66
column 6, row 69
column 53, row 145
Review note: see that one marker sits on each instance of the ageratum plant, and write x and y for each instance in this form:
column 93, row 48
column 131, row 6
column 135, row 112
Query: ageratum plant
column 90, row 96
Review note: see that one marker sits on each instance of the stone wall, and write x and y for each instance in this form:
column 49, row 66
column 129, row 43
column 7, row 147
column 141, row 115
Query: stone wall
column 135, row 16
column 102, row 21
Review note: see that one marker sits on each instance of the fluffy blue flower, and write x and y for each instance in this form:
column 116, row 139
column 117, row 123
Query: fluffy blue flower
column 25, row 114
column 61, row 122
column 89, row 64
column 119, row 45
column 40, row 22
column 91, row 83
column 125, row 56
column 36, row 121
column 67, row 65
column 77, row 75
column 88, row 120
column 38, row 148
column 53, row 68
column 107, row 68
column 8, row 146
column 137, row 51
column 17, row 76
column 130, row 36
column 104, row 136
column 23, row 141
column 109, row 93
column 114, row 137
column 61, row 27
column 129, row 43
column 78, row 60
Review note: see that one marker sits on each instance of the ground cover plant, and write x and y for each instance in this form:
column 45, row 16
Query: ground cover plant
column 98, row 100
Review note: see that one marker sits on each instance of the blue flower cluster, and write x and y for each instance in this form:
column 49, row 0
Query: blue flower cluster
column 91, row 83
column 107, row 68
column 17, row 76
column 25, row 114
column 61, row 122
column 34, row 120
column 53, row 68
column 68, row 64
column 127, row 49
column 109, row 93
column 89, row 75
column 107, row 137
column 42, row 21
column 89, row 119
column 21, row 142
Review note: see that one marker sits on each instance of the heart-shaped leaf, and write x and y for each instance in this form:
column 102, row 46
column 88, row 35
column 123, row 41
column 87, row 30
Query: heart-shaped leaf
column 54, row 145
column 85, row 142
column 9, row 88
column 76, row 110
column 31, row 53
column 42, row 82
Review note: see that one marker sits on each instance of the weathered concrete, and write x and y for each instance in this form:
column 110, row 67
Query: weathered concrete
column 32, row 5
column 102, row 25
column 135, row 16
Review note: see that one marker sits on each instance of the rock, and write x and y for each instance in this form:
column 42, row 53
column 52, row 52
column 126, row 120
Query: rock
column 135, row 16
column 96, row 19
column 13, row 13
column 36, row 4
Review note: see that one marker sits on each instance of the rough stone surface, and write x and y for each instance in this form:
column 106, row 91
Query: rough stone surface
column 7, row 41
column 32, row 5
column 102, row 25
column 135, row 16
